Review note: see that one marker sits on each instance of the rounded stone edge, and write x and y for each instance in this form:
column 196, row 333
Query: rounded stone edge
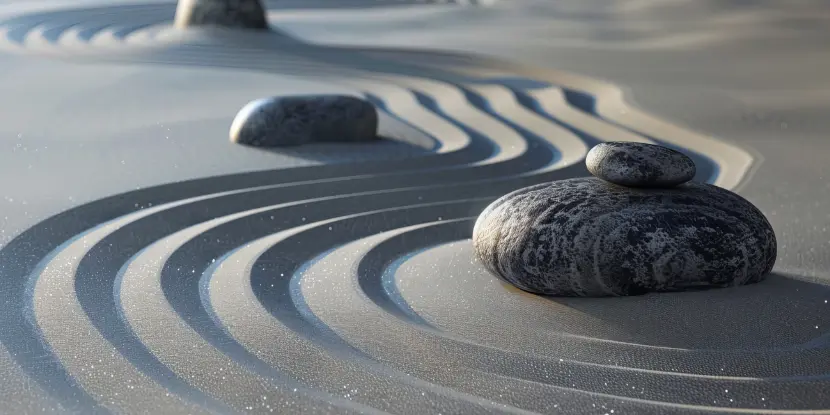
column 237, row 131
column 598, row 164
column 487, row 253
column 231, row 14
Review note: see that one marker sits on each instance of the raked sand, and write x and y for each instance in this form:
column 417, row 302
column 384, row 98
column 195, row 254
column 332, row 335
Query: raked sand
column 148, row 265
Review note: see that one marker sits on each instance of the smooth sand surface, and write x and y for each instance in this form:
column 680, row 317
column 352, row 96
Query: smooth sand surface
column 148, row 265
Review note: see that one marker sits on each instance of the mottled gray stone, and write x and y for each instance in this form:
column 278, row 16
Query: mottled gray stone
column 247, row 14
column 639, row 164
column 296, row 120
column 587, row 237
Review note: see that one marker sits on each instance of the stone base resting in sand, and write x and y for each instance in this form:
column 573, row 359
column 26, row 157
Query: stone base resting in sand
column 247, row 14
column 591, row 237
column 296, row 120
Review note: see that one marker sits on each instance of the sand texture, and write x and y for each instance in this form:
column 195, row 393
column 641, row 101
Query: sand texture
column 149, row 265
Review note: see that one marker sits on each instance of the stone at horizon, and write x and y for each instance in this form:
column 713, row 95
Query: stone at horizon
column 240, row 14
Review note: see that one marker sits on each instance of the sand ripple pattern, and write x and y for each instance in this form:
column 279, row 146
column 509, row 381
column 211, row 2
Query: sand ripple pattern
column 349, row 288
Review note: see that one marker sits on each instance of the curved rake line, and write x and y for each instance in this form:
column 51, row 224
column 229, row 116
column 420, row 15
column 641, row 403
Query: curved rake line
column 354, row 251
column 131, row 19
column 217, row 183
column 505, row 102
column 611, row 104
column 720, row 180
column 269, row 64
column 401, row 187
column 377, row 262
column 567, row 102
column 671, row 374
column 230, row 279
column 453, row 101
column 56, row 310
column 416, row 189
column 318, row 237
column 186, row 352
column 302, row 367
column 42, row 28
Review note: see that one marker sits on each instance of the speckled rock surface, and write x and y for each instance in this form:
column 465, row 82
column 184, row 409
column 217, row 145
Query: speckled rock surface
column 587, row 237
column 248, row 14
column 639, row 164
column 296, row 120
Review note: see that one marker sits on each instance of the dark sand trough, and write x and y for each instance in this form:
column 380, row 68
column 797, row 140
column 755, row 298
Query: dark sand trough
column 349, row 286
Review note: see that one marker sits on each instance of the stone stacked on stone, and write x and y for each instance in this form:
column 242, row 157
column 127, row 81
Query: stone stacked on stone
column 639, row 165
column 242, row 14
column 296, row 120
column 594, row 237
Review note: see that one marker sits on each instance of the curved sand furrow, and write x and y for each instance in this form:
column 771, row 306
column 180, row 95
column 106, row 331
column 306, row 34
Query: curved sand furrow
column 48, row 31
column 576, row 110
column 609, row 103
column 582, row 116
column 87, row 292
column 402, row 103
column 308, row 362
column 569, row 335
column 392, row 196
column 613, row 377
column 190, row 314
column 135, row 23
column 502, row 102
column 341, row 312
column 88, row 28
column 78, row 345
column 452, row 102
column 465, row 292
column 229, row 280
column 256, row 387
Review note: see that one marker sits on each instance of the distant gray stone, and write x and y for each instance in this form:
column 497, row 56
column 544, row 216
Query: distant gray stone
column 588, row 237
column 296, row 120
column 246, row 14
column 639, row 164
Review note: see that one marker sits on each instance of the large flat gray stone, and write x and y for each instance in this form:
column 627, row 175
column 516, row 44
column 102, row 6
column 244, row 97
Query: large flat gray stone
column 588, row 237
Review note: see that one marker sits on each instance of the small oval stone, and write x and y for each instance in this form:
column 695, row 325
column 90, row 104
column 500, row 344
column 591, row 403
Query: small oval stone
column 296, row 120
column 245, row 14
column 639, row 164
column 587, row 237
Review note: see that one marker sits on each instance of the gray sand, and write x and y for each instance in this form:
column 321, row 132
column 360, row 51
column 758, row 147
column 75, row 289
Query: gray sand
column 149, row 265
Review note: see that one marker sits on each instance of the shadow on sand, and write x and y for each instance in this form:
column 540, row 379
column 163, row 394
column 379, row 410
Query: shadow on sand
column 781, row 312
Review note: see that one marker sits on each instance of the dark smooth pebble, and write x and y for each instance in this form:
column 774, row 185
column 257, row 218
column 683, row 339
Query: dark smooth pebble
column 587, row 237
column 639, row 164
column 296, row 120
column 244, row 14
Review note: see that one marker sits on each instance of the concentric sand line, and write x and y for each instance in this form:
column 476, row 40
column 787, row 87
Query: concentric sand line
column 97, row 281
